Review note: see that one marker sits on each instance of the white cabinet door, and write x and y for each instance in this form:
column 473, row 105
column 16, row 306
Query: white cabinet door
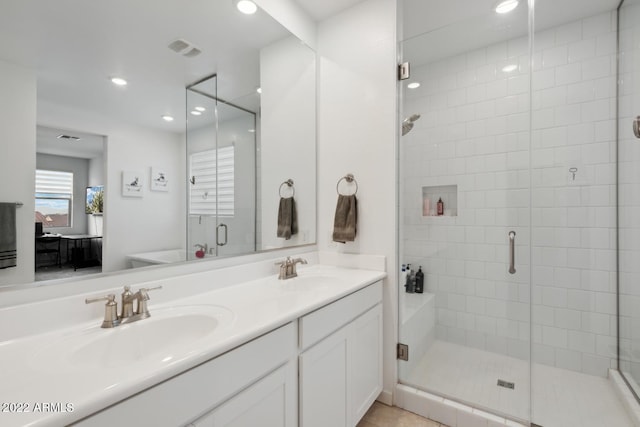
column 365, row 355
column 341, row 376
column 271, row 402
column 323, row 385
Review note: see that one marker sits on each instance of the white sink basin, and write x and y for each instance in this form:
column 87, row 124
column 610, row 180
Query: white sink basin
column 169, row 334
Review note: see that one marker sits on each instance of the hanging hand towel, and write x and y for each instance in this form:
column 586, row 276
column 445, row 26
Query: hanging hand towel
column 287, row 219
column 8, row 252
column 346, row 219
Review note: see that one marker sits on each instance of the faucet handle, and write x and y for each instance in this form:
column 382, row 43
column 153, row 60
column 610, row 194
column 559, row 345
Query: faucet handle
column 111, row 298
column 142, row 309
column 111, row 319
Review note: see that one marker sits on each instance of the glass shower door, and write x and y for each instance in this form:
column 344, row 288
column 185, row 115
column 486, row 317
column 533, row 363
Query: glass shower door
column 236, row 188
column 628, row 156
column 465, row 208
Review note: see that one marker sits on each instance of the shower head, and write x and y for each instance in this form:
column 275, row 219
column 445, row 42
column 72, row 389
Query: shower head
column 407, row 124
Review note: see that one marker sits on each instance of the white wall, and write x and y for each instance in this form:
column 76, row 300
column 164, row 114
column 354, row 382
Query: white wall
column 290, row 15
column 288, row 143
column 80, row 169
column 474, row 133
column 18, row 161
column 356, row 134
column 157, row 220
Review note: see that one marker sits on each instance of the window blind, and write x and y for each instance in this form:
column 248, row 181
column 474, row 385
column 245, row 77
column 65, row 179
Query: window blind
column 212, row 188
column 54, row 184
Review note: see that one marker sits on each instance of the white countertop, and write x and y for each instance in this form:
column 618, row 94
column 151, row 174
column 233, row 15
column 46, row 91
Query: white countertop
column 30, row 376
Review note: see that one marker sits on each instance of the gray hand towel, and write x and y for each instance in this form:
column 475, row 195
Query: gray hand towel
column 346, row 219
column 8, row 251
column 287, row 218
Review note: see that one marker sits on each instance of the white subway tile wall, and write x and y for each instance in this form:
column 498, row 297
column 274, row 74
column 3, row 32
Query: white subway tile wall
column 475, row 133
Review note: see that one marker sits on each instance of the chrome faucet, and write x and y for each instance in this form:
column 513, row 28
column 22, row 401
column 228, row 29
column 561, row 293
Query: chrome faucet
column 127, row 315
column 288, row 267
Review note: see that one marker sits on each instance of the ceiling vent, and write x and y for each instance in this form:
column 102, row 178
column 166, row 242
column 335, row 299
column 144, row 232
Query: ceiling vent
column 184, row 48
column 68, row 137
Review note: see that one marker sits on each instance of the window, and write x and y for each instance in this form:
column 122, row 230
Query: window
column 54, row 196
column 212, row 190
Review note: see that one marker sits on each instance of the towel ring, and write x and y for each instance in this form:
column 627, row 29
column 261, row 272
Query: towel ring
column 349, row 178
column 288, row 183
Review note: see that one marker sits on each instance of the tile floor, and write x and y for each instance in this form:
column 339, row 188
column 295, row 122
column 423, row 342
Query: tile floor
column 380, row 415
column 561, row 398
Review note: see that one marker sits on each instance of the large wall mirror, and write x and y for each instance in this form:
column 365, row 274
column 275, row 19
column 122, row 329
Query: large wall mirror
column 190, row 159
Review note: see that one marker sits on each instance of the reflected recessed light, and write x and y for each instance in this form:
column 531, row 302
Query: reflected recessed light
column 506, row 6
column 118, row 81
column 509, row 68
column 413, row 85
column 167, row 118
column 259, row 90
column 201, row 109
column 251, row 130
column 196, row 113
column 247, row 7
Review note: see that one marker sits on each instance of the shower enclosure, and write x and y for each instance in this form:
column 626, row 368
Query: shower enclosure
column 221, row 156
column 530, row 309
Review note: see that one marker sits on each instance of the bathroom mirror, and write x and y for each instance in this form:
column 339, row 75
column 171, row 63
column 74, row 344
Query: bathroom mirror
column 75, row 49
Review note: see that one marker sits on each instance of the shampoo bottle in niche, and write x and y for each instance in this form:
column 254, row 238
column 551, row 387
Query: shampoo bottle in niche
column 419, row 281
column 426, row 207
column 403, row 276
column 440, row 207
column 410, row 285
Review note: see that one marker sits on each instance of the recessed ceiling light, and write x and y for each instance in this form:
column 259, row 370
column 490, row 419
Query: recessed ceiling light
column 196, row 113
column 509, row 68
column 259, row 90
column 247, row 7
column 413, row 85
column 252, row 131
column 119, row 81
column 506, row 6
column 201, row 109
column 167, row 118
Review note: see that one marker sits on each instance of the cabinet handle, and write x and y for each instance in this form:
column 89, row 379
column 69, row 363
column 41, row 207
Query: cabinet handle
column 512, row 252
column 218, row 234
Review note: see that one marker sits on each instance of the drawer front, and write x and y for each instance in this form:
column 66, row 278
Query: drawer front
column 322, row 322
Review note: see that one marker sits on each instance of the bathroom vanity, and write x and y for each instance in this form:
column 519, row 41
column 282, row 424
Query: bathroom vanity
column 301, row 352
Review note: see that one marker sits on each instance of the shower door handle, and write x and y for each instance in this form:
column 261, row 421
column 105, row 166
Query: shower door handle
column 218, row 234
column 512, row 252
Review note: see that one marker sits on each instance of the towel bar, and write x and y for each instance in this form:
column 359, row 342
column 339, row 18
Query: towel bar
column 349, row 178
column 19, row 204
column 288, row 183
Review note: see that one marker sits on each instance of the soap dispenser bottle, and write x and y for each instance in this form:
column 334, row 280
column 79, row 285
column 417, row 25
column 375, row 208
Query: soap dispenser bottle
column 440, row 207
column 419, row 281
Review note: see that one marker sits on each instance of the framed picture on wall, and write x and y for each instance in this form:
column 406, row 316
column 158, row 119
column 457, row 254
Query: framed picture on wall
column 95, row 200
column 159, row 179
column 132, row 183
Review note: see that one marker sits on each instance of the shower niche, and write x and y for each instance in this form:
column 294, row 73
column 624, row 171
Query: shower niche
column 432, row 194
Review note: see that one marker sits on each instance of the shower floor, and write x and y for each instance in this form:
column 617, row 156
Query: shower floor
column 561, row 398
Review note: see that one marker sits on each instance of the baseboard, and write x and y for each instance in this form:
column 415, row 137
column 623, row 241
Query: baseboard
column 385, row 397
